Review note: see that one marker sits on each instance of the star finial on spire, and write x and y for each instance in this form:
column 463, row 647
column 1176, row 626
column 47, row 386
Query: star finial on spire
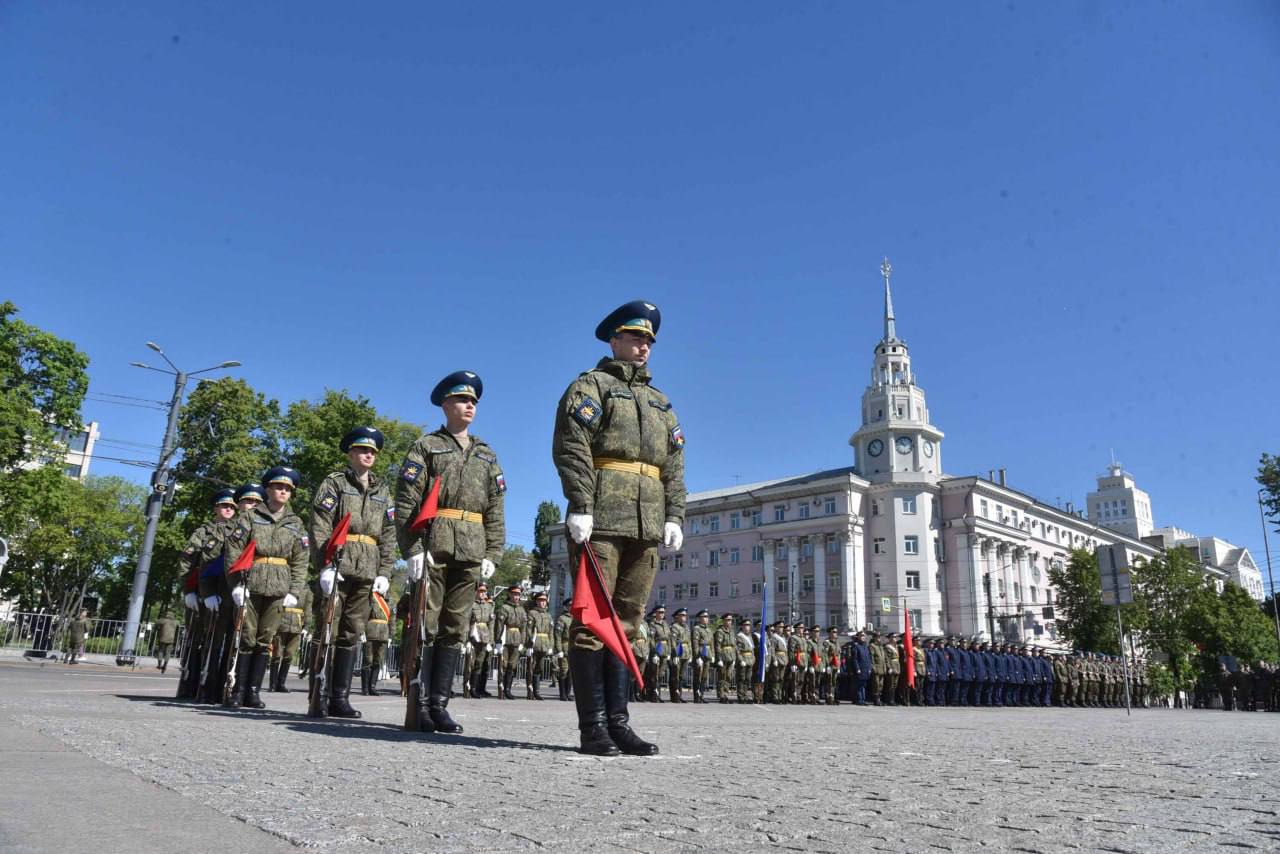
column 890, row 329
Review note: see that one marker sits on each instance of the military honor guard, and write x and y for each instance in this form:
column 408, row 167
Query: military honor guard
column 563, row 637
column 619, row 449
column 680, row 654
column 511, row 620
column 293, row 624
column 725, row 651
column 166, row 635
column 480, row 643
column 538, row 631
column 204, row 598
column 659, row 652
column 703, row 643
column 377, row 634
column 750, row 689
column 464, row 540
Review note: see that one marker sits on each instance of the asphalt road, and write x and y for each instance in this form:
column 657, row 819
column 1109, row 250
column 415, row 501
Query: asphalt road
column 103, row 760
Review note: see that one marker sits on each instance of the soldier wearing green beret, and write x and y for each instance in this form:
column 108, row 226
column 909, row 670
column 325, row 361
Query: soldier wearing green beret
column 466, row 537
column 619, row 450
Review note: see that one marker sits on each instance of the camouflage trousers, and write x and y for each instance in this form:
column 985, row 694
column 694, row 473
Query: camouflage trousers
column 628, row 567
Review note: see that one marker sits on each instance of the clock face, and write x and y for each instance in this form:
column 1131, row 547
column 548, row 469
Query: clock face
column 903, row 444
column 875, row 447
column 928, row 448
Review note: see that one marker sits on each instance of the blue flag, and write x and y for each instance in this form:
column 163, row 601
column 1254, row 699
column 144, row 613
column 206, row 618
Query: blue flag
column 762, row 652
column 212, row 568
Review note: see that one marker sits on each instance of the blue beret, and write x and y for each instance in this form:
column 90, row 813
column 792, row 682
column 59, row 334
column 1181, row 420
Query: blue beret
column 252, row 490
column 224, row 496
column 362, row 437
column 463, row 383
column 635, row 316
column 282, row 474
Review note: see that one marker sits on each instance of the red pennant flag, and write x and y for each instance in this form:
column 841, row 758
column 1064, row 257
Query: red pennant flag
column 337, row 539
column 430, row 505
column 592, row 608
column 383, row 607
column 909, row 650
column 192, row 581
column 245, row 561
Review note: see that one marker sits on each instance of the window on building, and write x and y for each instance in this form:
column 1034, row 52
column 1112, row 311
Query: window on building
column 713, row 524
column 74, row 471
column 937, row 580
column 913, row 580
column 834, row 618
column 1013, row 514
column 695, row 526
column 755, row 518
column 713, row 589
column 807, row 549
column 662, row 564
column 806, row 584
column 678, row 592
column 779, row 512
column 829, row 506
column 982, row 507
column 781, row 583
column 1035, row 595
column 875, row 507
column 999, row 512
column 757, row 585
column 917, row 618
column 693, row 561
column 804, row 509
column 733, row 589
column 662, row 594
column 908, row 504
column 734, row 555
column 1017, row 591
column 1000, row 582
column 677, row 562
column 781, row 551
column 713, row 557
column 833, row 580
column 911, row 544
column 876, row 579
column 735, row 520
column 757, row 554
column 833, row 546
column 693, row 591
column 877, row 545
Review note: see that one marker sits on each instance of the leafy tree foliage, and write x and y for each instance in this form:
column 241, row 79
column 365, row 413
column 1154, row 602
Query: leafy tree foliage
column 43, row 380
column 548, row 515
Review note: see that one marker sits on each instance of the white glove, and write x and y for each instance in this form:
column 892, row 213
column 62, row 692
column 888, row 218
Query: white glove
column 528, row 653
column 328, row 576
column 488, row 647
column 290, row 601
column 655, row 659
column 579, row 525
column 415, row 566
column 381, row 585
column 559, row 655
column 793, row 668
column 192, row 601
column 237, row 595
column 487, row 568
column 212, row 602
column 431, row 561
column 520, row 648
column 672, row 536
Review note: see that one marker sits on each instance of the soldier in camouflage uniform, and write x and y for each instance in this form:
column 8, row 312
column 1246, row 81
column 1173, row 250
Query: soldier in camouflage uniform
column 659, row 652
column 480, row 642
column 367, row 558
column 681, row 653
column 815, row 664
column 892, row 669
column 725, row 651
column 563, row 637
column 273, row 583
column 166, row 634
column 619, row 450
column 704, row 651
column 467, row 535
column 749, row 688
column 201, row 561
column 377, row 634
column 640, row 649
column 509, row 624
column 538, row 631
column 293, row 624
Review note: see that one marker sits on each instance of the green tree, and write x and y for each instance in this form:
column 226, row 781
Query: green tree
column 548, row 515
column 43, row 380
column 1082, row 619
column 1165, row 589
column 1269, row 480
column 1230, row 623
column 513, row 567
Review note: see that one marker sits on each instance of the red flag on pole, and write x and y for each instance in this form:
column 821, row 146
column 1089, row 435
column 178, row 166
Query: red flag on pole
column 592, row 607
column 192, row 582
column 337, row 539
column 245, row 561
column 430, row 505
column 908, row 649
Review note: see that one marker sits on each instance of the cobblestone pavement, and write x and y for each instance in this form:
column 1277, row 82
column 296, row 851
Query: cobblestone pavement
column 729, row 777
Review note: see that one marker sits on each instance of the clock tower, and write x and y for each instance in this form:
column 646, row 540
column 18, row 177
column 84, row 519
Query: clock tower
column 900, row 453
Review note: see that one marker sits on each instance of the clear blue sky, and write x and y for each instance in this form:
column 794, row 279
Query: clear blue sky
column 1080, row 203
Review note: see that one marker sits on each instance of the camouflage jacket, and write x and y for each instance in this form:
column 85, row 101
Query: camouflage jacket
column 511, row 620
column 640, row 644
column 831, row 654
column 681, row 649
column 613, row 413
column 372, row 518
column 703, row 642
column 563, row 624
column 538, row 629
column 723, row 646
column 166, row 630
column 892, row 665
column 659, row 639
column 294, row 620
column 79, row 630
column 746, row 645
column 796, row 652
column 481, row 623
column 378, row 626
column 878, row 660
column 777, row 650
column 280, row 550
column 203, row 546
column 471, row 481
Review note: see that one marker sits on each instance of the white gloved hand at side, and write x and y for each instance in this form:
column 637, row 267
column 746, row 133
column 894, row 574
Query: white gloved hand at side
column 559, row 655
column 237, row 595
column 290, row 601
column 381, row 585
column 415, row 566
column 672, row 536
column 655, row 659
column 212, row 602
column 487, row 569
column 579, row 525
column 431, row 561
column 328, row 576
column 192, row 601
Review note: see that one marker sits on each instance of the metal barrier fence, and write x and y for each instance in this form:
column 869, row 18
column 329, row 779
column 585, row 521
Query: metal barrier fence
column 48, row 635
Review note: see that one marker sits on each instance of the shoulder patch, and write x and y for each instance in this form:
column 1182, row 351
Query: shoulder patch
column 500, row 482
column 391, row 513
column 410, row 472
column 588, row 412
column 306, row 541
column 328, row 502
column 677, row 437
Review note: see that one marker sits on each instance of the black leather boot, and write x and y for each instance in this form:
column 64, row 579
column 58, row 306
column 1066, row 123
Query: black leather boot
column 282, row 676
column 446, row 661
column 479, row 678
column 257, row 671
column 617, row 681
column 364, row 681
column 537, row 686
column 425, row 666
column 273, row 674
column 236, row 700
column 344, row 665
column 586, row 667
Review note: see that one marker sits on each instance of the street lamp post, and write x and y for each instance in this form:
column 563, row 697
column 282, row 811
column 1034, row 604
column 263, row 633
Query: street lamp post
column 160, row 481
column 1266, row 544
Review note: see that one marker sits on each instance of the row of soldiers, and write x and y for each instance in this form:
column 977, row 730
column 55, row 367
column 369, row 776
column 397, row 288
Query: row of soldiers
column 1250, row 687
column 809, row 665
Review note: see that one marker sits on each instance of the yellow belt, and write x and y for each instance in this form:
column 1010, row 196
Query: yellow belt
column 274, row 561
column 460, row 515
column 362, row 538
column 478, row 623
column 377, row 621
column 727, row 646
column 293, row 610
column 622, row 465
column 543, row 635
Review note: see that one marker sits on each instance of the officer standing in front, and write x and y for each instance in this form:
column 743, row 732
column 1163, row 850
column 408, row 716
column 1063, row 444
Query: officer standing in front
column 619, row 450
column 466, row 539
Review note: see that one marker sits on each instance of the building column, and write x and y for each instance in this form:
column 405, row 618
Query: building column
column 819, row 578
column 976, row 600
column 771, row 591
column 793, row 578
column 853, row 575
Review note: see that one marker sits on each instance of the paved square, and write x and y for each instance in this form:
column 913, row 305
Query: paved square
column 729, row 777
